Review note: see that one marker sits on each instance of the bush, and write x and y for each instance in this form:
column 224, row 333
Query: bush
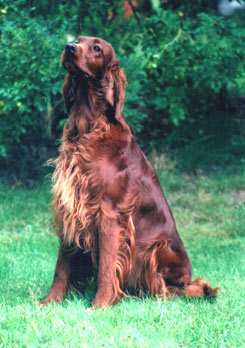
column 192, row 68
column 31, row 78
column 183, row 69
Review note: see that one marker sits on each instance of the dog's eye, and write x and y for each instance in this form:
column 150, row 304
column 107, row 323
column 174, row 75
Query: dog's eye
column 97, row 48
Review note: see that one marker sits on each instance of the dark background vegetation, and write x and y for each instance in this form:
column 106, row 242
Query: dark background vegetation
column 184, row 65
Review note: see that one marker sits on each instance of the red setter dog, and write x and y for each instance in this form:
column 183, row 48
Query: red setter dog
column 110, row 211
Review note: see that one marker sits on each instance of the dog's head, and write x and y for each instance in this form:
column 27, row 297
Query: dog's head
column 89, row 57
column 93, row 59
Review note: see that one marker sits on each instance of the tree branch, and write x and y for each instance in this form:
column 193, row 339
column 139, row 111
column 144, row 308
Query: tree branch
column 135, row 13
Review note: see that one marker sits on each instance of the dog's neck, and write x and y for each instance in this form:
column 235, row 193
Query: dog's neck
column 89, row 106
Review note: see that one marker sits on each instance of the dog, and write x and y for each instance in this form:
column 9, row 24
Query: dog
column 111, row 216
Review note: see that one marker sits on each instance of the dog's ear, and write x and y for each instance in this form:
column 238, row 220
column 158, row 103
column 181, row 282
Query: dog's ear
column 115, row 83
column 68, row 91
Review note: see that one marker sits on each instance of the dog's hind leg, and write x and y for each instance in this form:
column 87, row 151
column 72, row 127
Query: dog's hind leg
column 175, row 267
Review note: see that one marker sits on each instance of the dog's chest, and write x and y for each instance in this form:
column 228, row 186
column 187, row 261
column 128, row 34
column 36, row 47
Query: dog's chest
column 76, row 187
column 86, row 172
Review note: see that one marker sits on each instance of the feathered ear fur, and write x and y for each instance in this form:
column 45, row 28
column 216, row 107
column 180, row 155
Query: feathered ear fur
column 115, row 90
column 68, row 91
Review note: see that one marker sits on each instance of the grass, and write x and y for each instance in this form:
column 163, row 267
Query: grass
column 210, row 215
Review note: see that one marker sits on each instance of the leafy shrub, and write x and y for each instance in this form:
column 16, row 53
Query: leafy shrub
column 183, row 68
column 30, row 81
column 192, row 68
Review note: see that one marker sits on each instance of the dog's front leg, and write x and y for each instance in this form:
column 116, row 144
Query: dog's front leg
column 59, row 286
column 108, row 283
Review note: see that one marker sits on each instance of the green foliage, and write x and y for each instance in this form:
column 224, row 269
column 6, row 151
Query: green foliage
column 191, row 67
column 183, row 68
column 30, row 80
column 193, row 8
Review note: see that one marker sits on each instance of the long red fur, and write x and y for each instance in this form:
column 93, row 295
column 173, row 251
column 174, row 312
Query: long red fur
column 111, row 215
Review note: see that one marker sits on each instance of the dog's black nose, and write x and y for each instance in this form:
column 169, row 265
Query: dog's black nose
column 71, row 48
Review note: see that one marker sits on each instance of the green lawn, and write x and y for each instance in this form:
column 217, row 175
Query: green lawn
column 210, row 215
